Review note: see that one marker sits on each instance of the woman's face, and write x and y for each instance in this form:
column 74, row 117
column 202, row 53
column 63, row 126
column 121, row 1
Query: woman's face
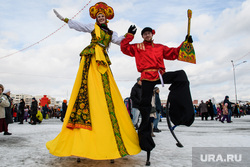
column 101, row 19
column 147, row 36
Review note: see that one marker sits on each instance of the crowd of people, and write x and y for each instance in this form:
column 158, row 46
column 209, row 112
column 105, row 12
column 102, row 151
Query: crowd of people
column 221, row 111
column 21, row 112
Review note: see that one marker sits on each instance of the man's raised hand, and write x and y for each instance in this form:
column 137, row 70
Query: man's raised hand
column 132, row 29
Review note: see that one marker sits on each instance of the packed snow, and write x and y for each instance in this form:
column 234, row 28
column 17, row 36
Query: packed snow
column 26, row 146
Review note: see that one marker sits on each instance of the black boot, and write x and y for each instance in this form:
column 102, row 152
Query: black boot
column 7, row 133
column 148, row 158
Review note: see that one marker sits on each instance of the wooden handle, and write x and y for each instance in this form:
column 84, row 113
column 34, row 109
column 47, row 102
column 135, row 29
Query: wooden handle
column 189, row 14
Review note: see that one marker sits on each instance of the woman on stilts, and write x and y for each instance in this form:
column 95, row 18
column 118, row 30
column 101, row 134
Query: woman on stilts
column 97, row 124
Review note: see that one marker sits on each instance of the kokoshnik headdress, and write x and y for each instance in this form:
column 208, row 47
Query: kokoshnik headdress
column 101, row 7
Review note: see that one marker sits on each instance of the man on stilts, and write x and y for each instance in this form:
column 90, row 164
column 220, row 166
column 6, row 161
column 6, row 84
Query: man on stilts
column 149, row 60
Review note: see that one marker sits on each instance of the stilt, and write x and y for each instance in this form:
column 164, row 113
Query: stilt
column 152, row 134
column 178, row 144
column 112, row 161
column 148, row 158
column 78, row 160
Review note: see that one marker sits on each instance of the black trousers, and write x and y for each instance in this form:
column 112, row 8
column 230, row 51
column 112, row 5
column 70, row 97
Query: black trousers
column 211, row 113
column 181, row 107
column 204, row 114
column 34, row 119
column 21, row 116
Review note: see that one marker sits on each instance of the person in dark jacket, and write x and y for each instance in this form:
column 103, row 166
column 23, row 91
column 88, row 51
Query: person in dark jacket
column 210, row 109
column 21, row 110
column 45, row 111
column 15, row 110
column 33, row 111
column 203, row 110
column 158, row 109
column 229, row 107
column 64, row 109
column 8, row 116
column 135, row 95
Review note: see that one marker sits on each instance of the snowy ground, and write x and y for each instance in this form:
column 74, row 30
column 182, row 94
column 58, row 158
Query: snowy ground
column 26, row 147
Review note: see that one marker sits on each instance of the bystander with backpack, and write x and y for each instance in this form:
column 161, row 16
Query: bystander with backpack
column 128, row 104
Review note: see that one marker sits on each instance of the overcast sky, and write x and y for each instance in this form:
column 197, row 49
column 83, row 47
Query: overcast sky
column 220, row 31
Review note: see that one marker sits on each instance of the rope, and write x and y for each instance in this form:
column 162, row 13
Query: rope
column 47, row 35
column 242, row 56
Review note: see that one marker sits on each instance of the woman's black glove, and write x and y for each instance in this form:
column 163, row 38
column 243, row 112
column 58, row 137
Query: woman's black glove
column 132, row 29
column 189, row 38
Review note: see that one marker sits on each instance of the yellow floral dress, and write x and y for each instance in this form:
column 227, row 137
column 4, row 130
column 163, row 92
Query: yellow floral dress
column 97, row 124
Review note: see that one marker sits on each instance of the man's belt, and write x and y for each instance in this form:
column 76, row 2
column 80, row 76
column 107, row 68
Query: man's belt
column 158, row 70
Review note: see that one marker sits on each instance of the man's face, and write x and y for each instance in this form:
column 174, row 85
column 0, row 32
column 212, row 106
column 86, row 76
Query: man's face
column 147, row 36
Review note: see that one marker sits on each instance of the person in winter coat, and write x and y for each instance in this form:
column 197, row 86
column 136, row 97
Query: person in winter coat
column 15, row 113
column 158, row 109
column 4, row 102
column 219, row 114
column 225, row 113
column 45, row 111
column 203, row 110
column 26, row 113
column 64, row 109
column 236, row 111
column 33, row 111
column 135, row 96
column 229, row 107
column 21, row 110
column 39, row 116
column 210, row 109
column 8, row 113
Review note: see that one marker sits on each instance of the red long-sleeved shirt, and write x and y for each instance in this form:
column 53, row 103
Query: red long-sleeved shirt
column 149, row 56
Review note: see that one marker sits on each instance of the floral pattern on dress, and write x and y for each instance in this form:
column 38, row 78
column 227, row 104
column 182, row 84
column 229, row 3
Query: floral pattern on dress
column 80, row 115
column 121, row 147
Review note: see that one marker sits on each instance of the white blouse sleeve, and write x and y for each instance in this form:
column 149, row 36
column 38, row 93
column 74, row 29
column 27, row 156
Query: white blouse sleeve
column 81, row 27
column 115, row 39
